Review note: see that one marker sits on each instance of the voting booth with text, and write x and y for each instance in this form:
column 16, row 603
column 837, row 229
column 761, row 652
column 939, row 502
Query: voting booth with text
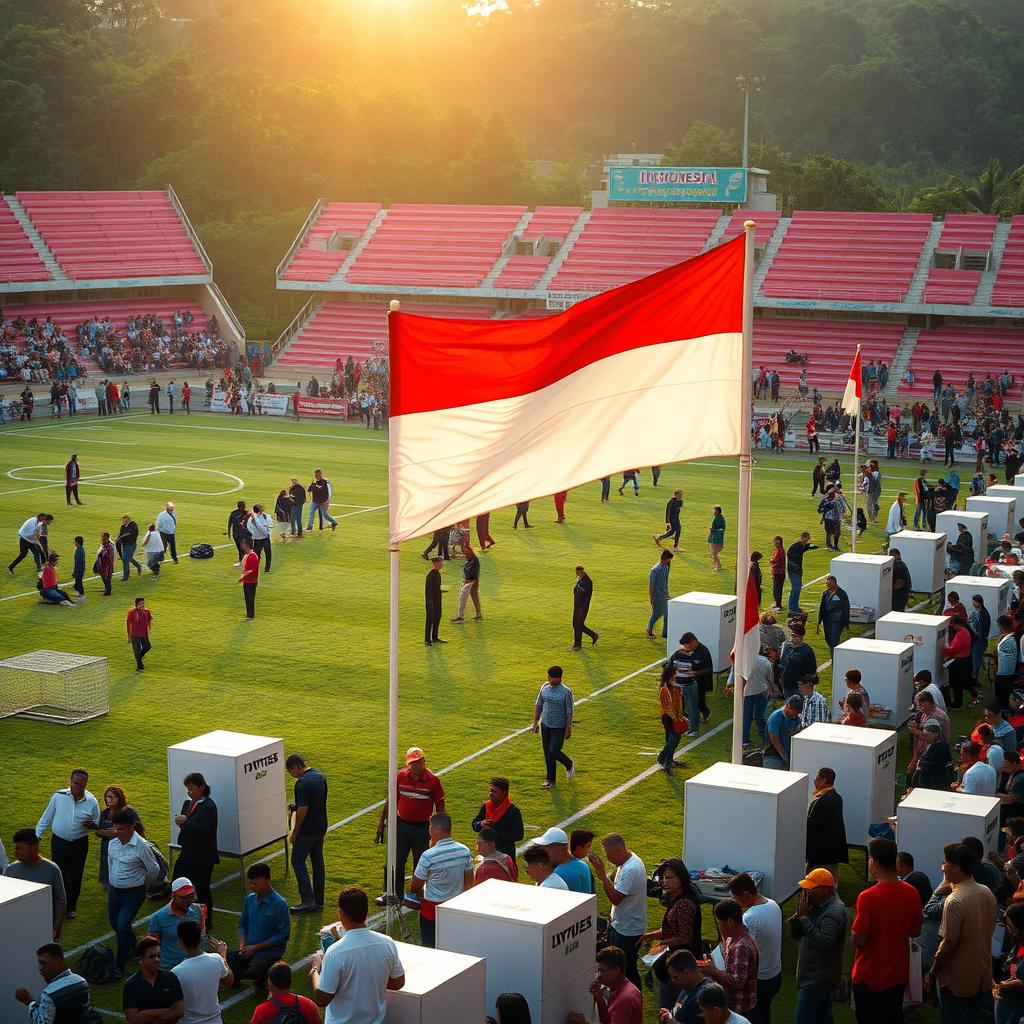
column 930, row 819
column 439, row 986
column 928, row 634
column 977, row 527
column 712, row 620
column 537, row 941
column 995, row 591
column 26, row 923
column 887, row 673
column 864, row 761
column 867, row 580
column 246, row 778
column 748, row 818
column 925, row 558
column 1002, row 513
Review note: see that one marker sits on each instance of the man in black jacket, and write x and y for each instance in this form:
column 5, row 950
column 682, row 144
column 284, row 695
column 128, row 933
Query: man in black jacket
column 126, row 542
column 582, row 592
column 672, row 509
column 501, row 815
column 236, row 530
column 818, row 481
column 795, row 569
column 901, row 582
column 694, row 671
column 833, row 612
column 826, row 829
column 197, row 838
column 961, row 552
column 298, row 495
column 433, row 600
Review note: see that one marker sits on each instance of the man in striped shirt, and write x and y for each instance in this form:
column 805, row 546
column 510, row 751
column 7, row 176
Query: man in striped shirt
column 444, row 870
column 815, row 707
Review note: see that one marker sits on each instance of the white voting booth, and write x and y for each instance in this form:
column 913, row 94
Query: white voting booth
column 536, row 941
column 748, row 818
column 928, row 634
column 867, row 580
column 925, row 555
column 710, row 617
column 1018, row 480
column 26, row 923
column 977, row 526
column 997, row 592
column 864, row 761
column 1002, row 513
column 887, row 673
column 439, row 986
column 930, row 819
column 246, row 779
column 1008, row 491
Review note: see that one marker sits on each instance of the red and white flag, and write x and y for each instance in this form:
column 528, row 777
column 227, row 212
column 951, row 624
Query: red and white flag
column 854, row 388
column 487, row 413
column 750, row 646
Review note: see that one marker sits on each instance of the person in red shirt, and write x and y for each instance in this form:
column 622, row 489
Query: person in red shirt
column 48, row 589
column 250, row 577
column 888, row 916
column 186, row 398
column 281, row 998
column 140, row 621
column 495, row 864
column 420, row 793
column 560, row 506
column 623, row 1004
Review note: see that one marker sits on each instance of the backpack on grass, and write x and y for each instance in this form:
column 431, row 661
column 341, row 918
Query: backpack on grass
column 97, row 964
column 201, row 551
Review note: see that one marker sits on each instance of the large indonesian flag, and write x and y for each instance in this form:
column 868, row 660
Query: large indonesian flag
column 486, row 413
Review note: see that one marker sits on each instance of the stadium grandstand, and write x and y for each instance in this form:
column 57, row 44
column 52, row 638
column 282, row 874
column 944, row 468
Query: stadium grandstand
column 916, row 293
column 81, row 271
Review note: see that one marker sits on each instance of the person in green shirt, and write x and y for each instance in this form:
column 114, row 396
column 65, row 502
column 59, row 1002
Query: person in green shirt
column 716, row 538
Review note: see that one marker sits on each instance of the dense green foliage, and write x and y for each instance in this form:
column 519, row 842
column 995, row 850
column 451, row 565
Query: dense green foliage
column 253, row 109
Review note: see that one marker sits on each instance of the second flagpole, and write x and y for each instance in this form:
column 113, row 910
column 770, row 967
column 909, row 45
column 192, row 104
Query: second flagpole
column 746, row 470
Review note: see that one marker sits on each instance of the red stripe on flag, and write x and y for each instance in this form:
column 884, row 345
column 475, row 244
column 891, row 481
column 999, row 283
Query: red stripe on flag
column 446, row 364
column 855, row 376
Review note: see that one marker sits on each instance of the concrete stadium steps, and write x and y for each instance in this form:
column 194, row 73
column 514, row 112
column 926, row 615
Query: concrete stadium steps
column 960, row 349
column 23, row 254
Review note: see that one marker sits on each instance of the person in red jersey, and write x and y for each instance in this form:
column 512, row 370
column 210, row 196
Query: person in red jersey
column 250, row 577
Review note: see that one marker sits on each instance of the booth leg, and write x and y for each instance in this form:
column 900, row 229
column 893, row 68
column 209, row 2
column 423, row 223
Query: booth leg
column 286, row 857
column 241, row 875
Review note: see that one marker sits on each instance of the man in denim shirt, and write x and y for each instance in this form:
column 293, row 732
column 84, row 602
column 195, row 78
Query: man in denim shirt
column 552, row 716
column 658, row 593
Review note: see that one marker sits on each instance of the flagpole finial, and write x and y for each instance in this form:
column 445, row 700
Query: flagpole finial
column 748, row 224
column 394, row 305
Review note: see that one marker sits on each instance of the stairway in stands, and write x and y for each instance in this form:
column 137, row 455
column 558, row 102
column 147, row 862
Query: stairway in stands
column 983, row 296
column 769, row 252
column 924, row 263
column 570, row 240
column 36, row 239
column 901, row 360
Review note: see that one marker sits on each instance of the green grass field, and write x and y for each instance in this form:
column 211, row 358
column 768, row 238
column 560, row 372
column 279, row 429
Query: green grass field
column 312, row 667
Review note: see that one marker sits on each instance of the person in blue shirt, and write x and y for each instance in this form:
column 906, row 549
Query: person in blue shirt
column 164, row 923
column 953, row 479
column 78, row 570
column 575, row 873
column 263, row 929
column 782, row 724
column 657, row 585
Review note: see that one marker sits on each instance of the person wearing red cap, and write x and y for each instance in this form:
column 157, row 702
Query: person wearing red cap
column 250, row 577
column 420, row 794
column 164, row 923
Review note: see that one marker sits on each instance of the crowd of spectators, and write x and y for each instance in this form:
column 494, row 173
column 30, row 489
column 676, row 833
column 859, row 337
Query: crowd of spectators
column 34, row 352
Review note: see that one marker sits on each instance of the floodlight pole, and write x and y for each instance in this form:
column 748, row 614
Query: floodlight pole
column 746, row 473
column 394, row 909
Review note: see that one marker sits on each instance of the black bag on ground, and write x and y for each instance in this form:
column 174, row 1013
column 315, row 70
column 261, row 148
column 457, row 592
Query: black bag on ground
column 97, row 964
column 201, row 551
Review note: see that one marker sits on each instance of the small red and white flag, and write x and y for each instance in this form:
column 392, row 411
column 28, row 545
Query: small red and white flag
column 750, row 646
column 854, row 388
column 488, row 413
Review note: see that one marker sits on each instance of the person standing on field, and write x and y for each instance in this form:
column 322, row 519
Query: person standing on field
column 308, row 831
column 582, row 592
column 249, row 577
column 72, row 474
column 28, row 540
column 320, row 492
column 105, row 562
column 552, row 718
column 140, row 622
column 260, row 527
column 470, row 586
column 126, row 543
column 673, row 527
column 186, row 398
column 657, row 592
column 298, row 495
column 432, row 596
column 167, row 524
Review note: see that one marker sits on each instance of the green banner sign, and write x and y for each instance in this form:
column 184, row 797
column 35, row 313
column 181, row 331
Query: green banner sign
column 628, row 184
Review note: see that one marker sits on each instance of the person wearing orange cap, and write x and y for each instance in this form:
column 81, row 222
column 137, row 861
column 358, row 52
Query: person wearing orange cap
column 420, row 794
column 819, row 925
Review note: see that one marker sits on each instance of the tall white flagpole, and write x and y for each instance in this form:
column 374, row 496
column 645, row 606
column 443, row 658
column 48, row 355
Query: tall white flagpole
column 743, row 507
column 856, row 463
column 394, row 909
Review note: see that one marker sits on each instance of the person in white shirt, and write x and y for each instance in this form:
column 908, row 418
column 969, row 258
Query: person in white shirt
column 153, row 545
column 922, row 682
column 72, row 814
column 167, row 524
column 539, row 868
column 755, row 696
column 979, row 777
column 131, row 863
column 350, row 979
column 628, row 897
column 763, row 918
column 260, row 525
column 201, row 975
column 28, row 540
column 897, row 519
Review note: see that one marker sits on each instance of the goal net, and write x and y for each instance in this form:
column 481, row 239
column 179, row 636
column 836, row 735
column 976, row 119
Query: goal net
column 53, row 686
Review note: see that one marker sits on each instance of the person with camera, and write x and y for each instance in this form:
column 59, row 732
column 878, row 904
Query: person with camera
column 680, row 924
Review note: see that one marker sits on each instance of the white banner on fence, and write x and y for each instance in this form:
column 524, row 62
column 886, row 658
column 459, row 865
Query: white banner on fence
column 270, row 405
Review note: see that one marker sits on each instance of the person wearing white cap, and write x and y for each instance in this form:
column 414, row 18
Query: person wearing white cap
column 540, row 869
column 574, row 872
column 167, row 524
column 164, row 923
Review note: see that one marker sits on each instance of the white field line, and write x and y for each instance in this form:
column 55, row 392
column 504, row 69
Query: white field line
column 285, row 433
column 380, row 803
